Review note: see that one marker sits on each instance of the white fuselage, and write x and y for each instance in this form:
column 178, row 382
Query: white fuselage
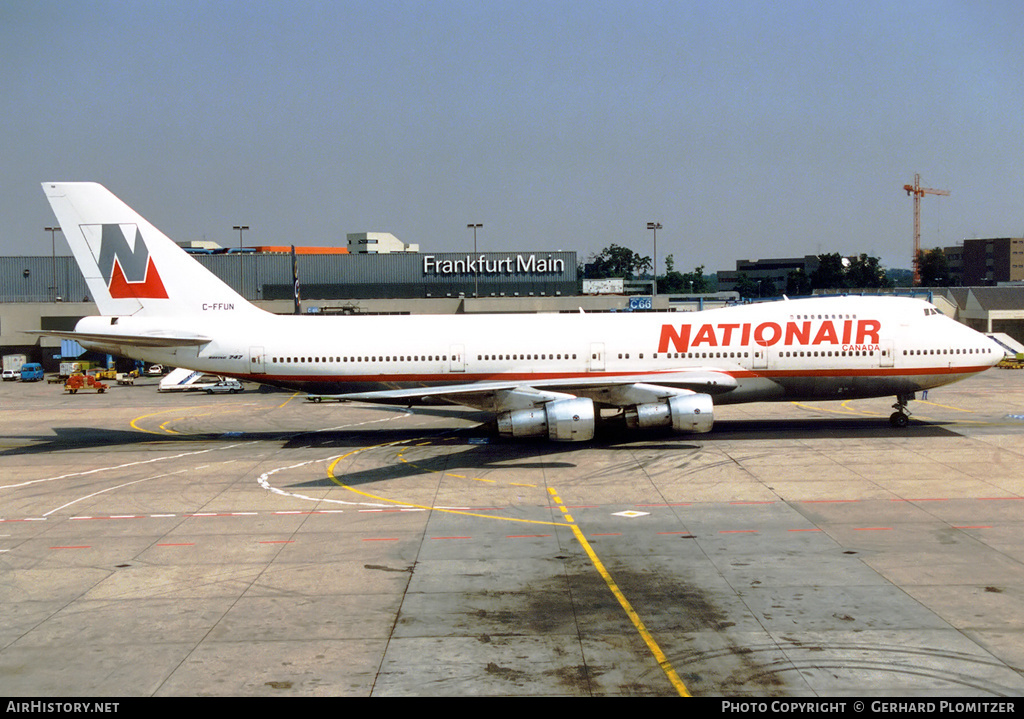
column 818, row 348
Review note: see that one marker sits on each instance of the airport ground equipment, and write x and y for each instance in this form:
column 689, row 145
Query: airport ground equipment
column 86, row 383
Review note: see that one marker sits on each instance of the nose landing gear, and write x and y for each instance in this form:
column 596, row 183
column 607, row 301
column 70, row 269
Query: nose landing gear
column 901, row 417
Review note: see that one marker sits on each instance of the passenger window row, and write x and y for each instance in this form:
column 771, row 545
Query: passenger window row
column 335, row 360
column 830, row 353
column 948, row 351
column 564, row 356
column 699, row 355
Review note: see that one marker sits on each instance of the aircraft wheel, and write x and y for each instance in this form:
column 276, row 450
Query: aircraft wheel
column 899, row 420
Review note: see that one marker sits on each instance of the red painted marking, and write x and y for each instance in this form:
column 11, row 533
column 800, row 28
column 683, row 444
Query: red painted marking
column 442, row 379
column 151, row 288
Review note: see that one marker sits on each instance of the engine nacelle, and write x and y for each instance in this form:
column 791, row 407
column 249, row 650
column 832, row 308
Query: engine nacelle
column 565, row 420
column 684, row 413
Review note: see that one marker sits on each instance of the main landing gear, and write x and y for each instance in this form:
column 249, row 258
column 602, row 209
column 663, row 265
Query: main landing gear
column 901, row 417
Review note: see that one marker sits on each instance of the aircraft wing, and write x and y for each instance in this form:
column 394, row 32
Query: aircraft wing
column 708, row 381
column 121, row 339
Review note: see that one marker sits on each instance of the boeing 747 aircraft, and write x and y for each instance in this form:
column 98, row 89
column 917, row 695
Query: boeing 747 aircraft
column 542, row 374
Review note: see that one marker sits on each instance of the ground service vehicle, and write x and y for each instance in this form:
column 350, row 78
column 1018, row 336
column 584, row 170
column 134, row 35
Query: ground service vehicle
column 84, row 382
column 31, row 372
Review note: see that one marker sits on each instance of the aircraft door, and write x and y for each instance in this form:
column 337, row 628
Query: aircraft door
column 257, row 363
column 760, row 356
column 596, row 363
column 457, row 358
column 887, row 352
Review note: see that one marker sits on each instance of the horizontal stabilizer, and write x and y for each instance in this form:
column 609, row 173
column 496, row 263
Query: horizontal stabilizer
column 126, row 340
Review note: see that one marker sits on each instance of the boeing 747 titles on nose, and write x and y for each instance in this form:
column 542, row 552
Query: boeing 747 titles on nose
column 542, row 375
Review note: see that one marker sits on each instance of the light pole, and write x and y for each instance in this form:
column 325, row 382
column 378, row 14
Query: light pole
column 240, row 228
column 53, row 266
column 655, row 226
column 476, row 273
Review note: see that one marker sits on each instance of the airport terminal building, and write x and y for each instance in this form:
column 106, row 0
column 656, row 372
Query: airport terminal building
column 329, row 276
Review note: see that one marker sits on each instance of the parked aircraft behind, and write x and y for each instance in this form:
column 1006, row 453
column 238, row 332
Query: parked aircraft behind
column 541, row 374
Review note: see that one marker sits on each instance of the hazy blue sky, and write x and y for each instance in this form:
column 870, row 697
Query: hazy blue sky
column 748, row 129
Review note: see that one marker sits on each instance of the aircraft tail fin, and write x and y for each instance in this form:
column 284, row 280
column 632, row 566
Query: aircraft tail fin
column 131, row 267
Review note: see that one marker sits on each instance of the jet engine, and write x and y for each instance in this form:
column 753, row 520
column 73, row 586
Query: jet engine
column 684, row 413
column 564, row 420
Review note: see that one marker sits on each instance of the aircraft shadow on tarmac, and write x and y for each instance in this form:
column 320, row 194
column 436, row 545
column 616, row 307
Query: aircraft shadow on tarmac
column 479, row 450
column 610, row 435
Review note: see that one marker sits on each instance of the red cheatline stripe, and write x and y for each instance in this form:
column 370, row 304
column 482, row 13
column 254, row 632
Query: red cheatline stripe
column 442, row 379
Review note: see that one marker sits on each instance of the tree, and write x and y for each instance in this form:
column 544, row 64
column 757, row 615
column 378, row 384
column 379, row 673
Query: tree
column 677, row 283
column 672, row 283
column 933, row 268
column 798, row 283
column 830, row 273
column 866, row 271
column 696, row 281
column 747, row 286
column 836, row 272
column 616, row 261
column 766, row 287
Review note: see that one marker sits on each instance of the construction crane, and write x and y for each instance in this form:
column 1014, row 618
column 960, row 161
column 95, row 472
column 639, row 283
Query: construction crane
column 918, row 192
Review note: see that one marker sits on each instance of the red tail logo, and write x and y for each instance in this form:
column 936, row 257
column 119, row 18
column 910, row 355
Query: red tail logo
column 129, row 273
column 150, row 288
